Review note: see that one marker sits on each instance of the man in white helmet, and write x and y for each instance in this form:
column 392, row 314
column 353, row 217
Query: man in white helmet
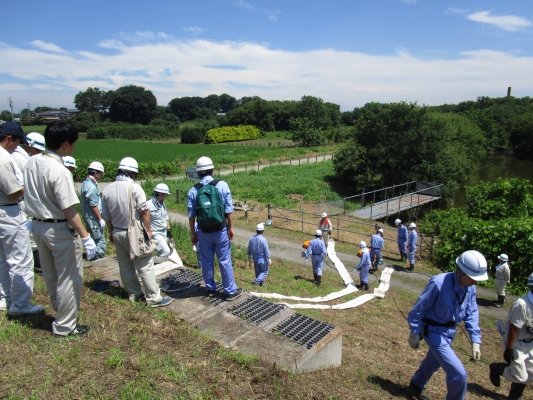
column 70, row 163
column 501, row 279
column 91, row 207
column 376, row 243
column 116, row 200
column 517, row 341
column 363, row 267
column 159, row 221
column 57, row 228
column 447, row 300
column 213, row 210
column 325, row 226
column 259, row 252
column 411, row 245
column 402, row 239
column 318, row 252
column 36, row 145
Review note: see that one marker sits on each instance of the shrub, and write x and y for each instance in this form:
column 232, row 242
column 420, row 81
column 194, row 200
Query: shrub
column 232, row 133
column 192, row 135
column 147, row 170
column 131, row 132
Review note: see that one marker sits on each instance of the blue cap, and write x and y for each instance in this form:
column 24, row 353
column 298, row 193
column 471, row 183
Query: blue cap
column 13, row 129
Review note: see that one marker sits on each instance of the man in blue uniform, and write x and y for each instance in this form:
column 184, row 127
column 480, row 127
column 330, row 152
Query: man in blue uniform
column 217, row 240
column 447, row 300
column 260, row 254
column 91, row 207
column 376, row 243
column 363, row 267
column 402, row 239
column 411, row 245
column 317, row 250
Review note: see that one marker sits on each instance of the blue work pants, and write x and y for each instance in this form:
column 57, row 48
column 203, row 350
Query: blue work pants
column 317, row 260
column 261, row 269
column 401, row 246
column 217, row 243
column 98, row 235
column 363, row 274
column 440, row 354
column 411, row 255
column 375, row 253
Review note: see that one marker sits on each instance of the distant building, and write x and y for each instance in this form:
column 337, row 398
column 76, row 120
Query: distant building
column 54, row 115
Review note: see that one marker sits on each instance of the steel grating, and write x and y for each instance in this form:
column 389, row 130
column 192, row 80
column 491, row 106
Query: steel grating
column 304, row 330
column 255, row 310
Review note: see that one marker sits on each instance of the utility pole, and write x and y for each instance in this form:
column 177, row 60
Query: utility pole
column 29, row 114
column 10, row 100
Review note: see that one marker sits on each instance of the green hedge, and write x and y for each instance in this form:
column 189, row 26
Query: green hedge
column 192, row 135
column 232, row 133
column 131, row 132
column 147, row 170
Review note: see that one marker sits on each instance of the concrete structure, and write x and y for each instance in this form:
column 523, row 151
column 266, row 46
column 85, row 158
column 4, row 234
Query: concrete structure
column 250, row 325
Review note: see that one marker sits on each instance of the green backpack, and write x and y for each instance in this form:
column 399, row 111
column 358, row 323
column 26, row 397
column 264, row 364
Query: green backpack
column 209, row 207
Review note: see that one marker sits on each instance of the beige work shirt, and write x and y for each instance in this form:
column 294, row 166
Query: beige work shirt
column 8, row 181
column 21, row 157
column 49, row 187
column 521, row 316
column 116, row 203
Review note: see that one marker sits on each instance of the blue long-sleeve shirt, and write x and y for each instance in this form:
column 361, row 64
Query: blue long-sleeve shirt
column 443, row 300
column 316, row 246
column 90, row 197
column 222, row 188
column 376, row 242
column 258, row 247
column 365, row 260
column 413, row 239
column 402, row 233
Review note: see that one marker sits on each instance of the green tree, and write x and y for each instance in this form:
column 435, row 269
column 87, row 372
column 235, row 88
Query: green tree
column 305, row 133
column 227, row 102
column 5, row 115
column 256, row 112
column 323, row 115
column 133, row 104
column 91, row 100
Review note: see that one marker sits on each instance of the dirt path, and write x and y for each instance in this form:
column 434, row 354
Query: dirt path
column 401, row 279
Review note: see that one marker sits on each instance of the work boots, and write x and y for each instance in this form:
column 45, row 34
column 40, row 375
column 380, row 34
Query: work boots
column 517, row 389
column 411, row 267
column 499, row 303
column 314, row 277
column 496, row 370
column 365, row 287
column 318, row 280
column 417, row 392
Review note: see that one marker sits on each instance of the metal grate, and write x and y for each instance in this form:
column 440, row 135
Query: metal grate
column 304, row 330
column 255, row 310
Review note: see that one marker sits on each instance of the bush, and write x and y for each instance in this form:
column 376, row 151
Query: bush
column 232, row 133
column 146, row 170
column 131, row 132
column 192, row 135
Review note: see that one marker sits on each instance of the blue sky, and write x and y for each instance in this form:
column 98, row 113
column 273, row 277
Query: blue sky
column 346, row 52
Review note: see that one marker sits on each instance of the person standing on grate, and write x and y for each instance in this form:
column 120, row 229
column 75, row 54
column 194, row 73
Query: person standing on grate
column 159, row 220
column 318, row 252
column 260, row 254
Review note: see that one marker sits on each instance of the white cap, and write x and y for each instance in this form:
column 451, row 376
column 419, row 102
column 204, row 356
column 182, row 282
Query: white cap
column 412, row 225
column 324, row 215
column 503, row 257
column 380, row 230
column 472, row 263
column 318, row 232
column 36, row 140
column 69, row 161
column 128, row 164
column 260, row 227
column 162, row 188
column 204, row 164
column 97, row 166
column 362, row 245
column 398, row 221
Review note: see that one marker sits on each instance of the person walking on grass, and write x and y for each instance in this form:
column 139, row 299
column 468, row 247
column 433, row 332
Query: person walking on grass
column 318, row 252
column 91, row 207
column 57, row 229
column 447, row 300
column 209, row 204
column 501, row 279
column 116, row 201
column 325, row 226
column 517, row 341
column 363, row 267
column 411, row 245
column 376, row 244
column 402, row 239
column 259, row 253
column 16, row 260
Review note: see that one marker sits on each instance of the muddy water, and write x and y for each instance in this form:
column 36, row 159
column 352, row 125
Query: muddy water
column 496, row 166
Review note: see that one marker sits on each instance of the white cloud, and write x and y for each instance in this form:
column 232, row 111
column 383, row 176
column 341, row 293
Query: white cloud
column 243, row 5
column 506, row 22
column 48, row 47
column 453, row 10
column 273, row 18
column 177, row 68
column 193, row 29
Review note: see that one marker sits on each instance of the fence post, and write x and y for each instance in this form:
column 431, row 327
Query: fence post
column 316, row 158
column 298, row 160
column 269, row 213
column 432, row 245
column 307, row 159
column 270, row 162
column 324, row 156
column 233, row 166
column 258, row 163
column 344, row 204
column 245, row 166
column 290, row 162
column 338, row 228
column 363, row 198
column 177, row 196
column 245, row 210
column 371, row 205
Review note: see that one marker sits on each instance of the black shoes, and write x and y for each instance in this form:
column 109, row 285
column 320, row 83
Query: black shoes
column 318, row 280
column 496, row 370
column 210, row 293
column 80, row 330
column 231, row 297
column 417, row 392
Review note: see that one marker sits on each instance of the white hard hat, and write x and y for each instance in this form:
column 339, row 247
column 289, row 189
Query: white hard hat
column 260, row 227
column 36, row 140
column 380, row 230
column 362, row 245
column 503, row 257
column 162, row 188
column 472, row 263
column 97, row 166
column 204, row 164
column 412, row 225
column 318, row 232
column 398, row 221
column 128, row 164
column 324, row 215
column 69, row 161
column 530, row 280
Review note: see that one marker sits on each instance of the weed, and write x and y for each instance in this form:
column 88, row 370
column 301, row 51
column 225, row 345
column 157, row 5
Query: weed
column 116, row 358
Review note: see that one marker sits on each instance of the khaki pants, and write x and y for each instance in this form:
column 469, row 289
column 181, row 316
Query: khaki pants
column 62, row 271
column 325, row 237
column 500, row 286
column 521, row 369
column 128, row 268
